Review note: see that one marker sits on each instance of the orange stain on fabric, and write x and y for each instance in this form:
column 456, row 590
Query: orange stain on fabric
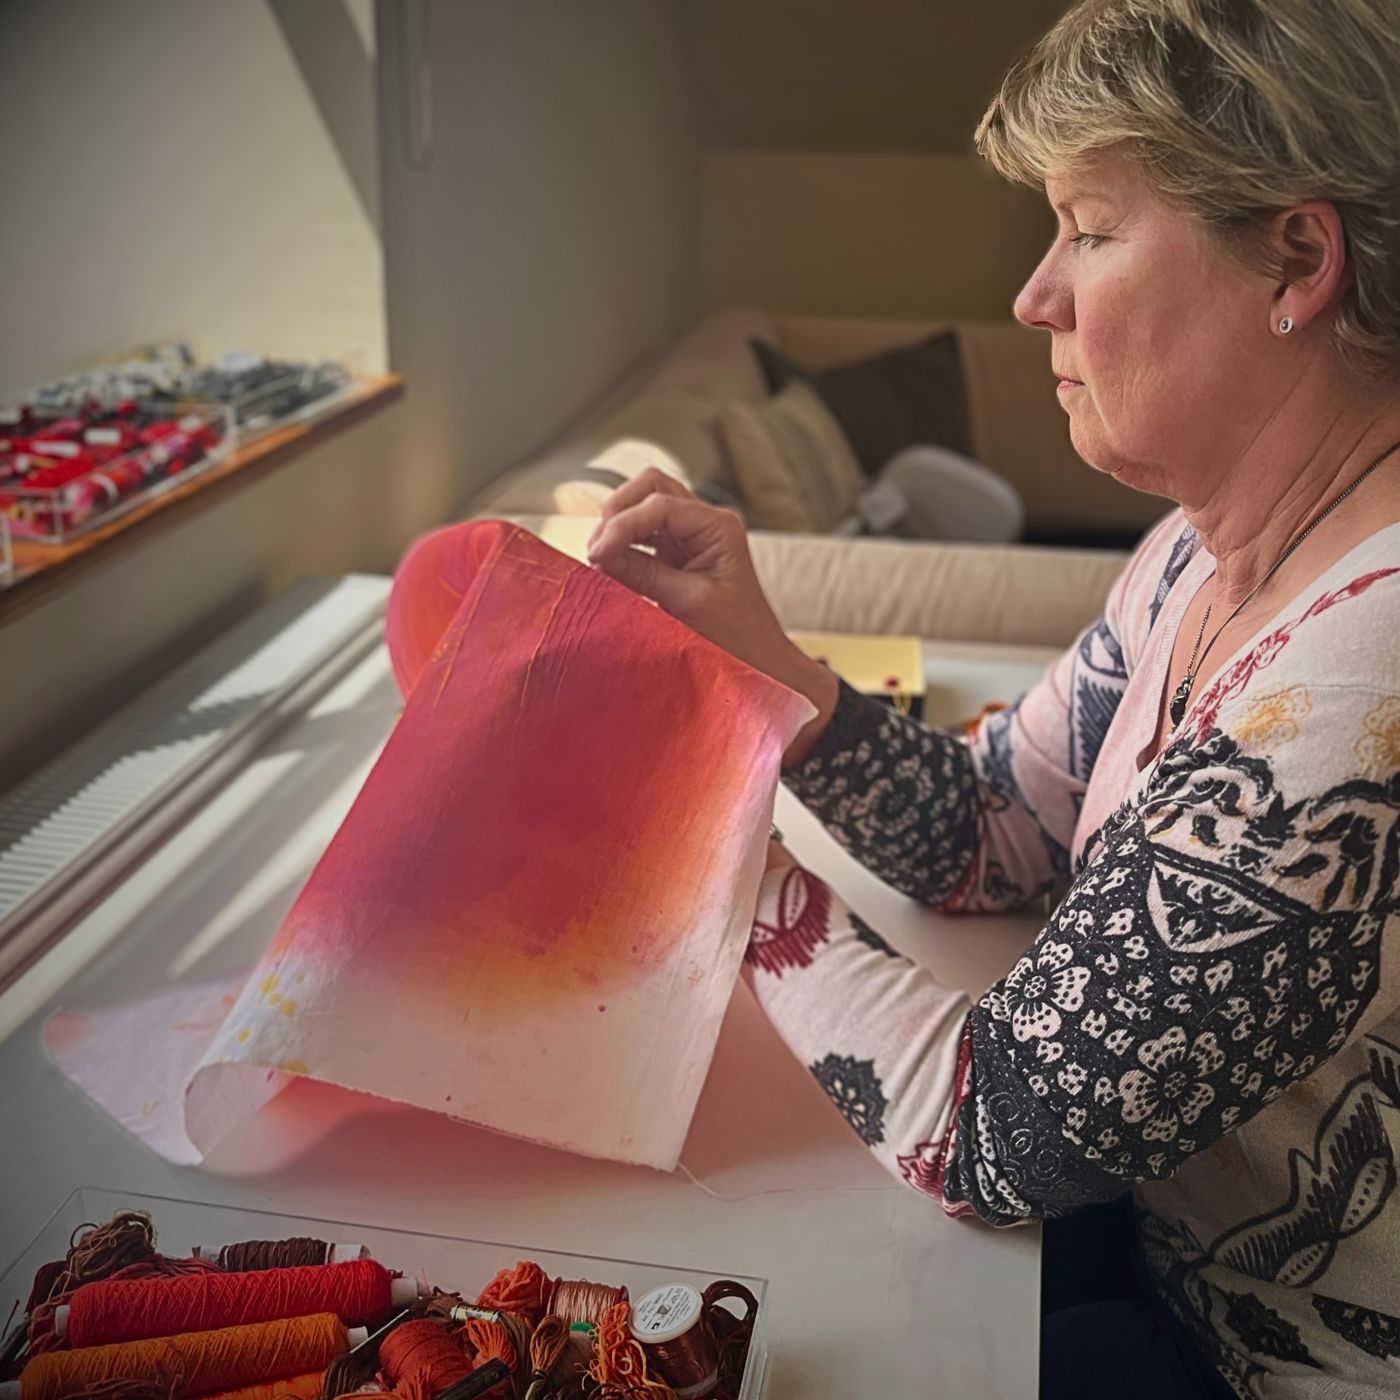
column 549, row 811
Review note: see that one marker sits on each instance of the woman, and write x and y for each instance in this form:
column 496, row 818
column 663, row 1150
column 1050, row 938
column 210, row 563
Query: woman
column 1212, row 1015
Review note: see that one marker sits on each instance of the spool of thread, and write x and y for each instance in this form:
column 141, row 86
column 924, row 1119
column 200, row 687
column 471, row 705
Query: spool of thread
column 246, row 1256
column 307, row 1387
column 670, row 1324
column 140, row 1309
column 578, row 1300
column 200, row 1363
column 125, row 1247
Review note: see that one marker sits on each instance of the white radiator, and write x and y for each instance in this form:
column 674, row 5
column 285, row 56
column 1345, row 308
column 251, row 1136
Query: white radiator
column 77, row 825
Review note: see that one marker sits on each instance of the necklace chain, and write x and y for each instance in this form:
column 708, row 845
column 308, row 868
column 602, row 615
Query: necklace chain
column 1182, row 696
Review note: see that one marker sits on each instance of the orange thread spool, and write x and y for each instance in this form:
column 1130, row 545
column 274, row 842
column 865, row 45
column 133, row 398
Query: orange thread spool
column 578, row 1300
column 200, row 1363
column 306, row 1387
column 420, row 1359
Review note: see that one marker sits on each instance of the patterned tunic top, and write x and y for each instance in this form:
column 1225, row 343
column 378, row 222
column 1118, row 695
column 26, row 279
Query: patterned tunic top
column 1212, row 1015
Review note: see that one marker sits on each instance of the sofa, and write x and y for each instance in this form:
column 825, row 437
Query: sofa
column 1015, row 426
column 1000, row 610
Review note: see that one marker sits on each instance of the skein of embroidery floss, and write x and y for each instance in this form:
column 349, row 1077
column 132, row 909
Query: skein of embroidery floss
column 139, row 1309
column 731, row 1334
column 197, row 1363
column 620, row 1365
column 558, row 1353
column 247, row 1256
column 421, row 1359
column 669, row 1322
column 523, row 1290
column 481, row 1382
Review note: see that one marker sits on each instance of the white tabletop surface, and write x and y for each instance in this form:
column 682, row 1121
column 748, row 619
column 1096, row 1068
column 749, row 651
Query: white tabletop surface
column 873, row 1290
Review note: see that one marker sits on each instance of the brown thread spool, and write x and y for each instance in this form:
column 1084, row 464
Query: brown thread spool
column 578, row 1300
column 670, row 1324
column 249, row 1256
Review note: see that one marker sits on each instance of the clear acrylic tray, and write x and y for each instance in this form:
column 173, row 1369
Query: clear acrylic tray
column 55, row 514
column 449, row 1262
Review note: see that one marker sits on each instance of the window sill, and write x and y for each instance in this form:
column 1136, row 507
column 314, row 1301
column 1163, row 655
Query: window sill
column 42, row 570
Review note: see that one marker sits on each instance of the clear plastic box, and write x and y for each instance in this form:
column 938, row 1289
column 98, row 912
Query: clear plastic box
column 298, row 396
column 451, row 1263
column 103, row 493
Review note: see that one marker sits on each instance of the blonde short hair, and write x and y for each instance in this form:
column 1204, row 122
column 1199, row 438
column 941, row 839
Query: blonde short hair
column 1236, row 109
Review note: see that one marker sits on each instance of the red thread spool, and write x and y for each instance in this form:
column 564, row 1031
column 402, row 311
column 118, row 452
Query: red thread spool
column 361, row 1291
column 670, row 1324
column 200, row 1363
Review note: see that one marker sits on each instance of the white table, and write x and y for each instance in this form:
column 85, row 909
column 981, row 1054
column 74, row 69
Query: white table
column 873, row 1291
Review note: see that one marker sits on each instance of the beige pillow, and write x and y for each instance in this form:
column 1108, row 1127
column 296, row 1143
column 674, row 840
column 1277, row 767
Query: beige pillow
column 793, row 465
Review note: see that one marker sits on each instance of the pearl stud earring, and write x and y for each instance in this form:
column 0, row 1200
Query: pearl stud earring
column 1285, row 325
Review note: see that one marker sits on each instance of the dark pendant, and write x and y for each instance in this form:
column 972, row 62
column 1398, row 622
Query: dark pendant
column 1177, row 708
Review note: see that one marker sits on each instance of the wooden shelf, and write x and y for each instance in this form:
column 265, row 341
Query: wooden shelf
column 42, row 569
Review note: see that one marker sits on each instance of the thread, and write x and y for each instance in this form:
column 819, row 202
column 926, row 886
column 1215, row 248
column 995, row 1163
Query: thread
column 523, row 1290
column 129, row 1390
column 198, row 1363
column 557, row 1353
column 732, row 1334
column 138, row 1309
column 481, row 1381
column 578, row 1300
column 620, row 1361
column 249, row 1256
column 123, row 1248
column 492, row 1341
column 670, row 1324
column 421, row 1359
column 307, row 1387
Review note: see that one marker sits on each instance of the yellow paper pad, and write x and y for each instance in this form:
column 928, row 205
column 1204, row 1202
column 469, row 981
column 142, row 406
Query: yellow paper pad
column 871, row 665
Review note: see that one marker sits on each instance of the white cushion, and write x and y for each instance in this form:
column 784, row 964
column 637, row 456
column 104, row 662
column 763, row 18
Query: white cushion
column 629, row 457
column 951, row 497
column 793, row 465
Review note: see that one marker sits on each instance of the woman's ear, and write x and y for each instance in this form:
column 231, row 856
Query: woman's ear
column 1307, row 245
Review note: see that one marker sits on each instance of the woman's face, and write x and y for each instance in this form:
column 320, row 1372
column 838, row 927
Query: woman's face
column 1159, row 339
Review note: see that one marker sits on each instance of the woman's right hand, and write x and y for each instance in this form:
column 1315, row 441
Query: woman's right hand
column 702, row 574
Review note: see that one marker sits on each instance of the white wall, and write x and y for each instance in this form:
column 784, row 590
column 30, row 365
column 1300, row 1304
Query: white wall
column 550, row 245
column 552, row 240
column 168, row 173
column 866, row 234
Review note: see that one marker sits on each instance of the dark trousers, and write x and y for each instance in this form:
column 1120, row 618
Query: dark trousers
column 1102, row 1335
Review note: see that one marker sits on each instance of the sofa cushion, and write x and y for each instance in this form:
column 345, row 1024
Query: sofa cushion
column 951, row 497
column 793, row 465
column 684, row 422
column 897, row 399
